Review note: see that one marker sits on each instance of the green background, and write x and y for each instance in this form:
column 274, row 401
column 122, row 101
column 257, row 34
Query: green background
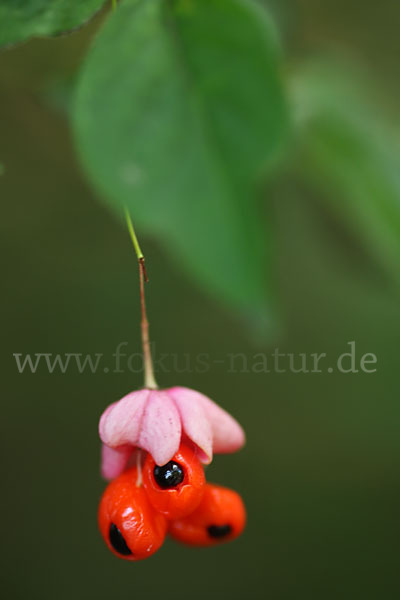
column 320, row 472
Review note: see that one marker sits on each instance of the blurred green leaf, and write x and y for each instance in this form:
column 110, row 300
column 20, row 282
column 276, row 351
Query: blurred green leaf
column 179, row 109
column 347, row 150
column 22, row 19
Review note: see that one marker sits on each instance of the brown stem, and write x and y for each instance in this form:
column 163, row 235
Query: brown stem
column 149, row 379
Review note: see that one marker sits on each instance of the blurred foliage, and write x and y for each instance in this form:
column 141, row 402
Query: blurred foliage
column 183, row 113
column 350, row 154
column 22, row 19
column 179, row 110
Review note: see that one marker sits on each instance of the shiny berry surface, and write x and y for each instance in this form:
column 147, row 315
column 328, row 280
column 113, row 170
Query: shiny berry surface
column 130, row 526
column 220, row 517
column 175, row 489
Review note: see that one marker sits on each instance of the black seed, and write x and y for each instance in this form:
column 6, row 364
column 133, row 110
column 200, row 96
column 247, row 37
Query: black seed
column 117, row 541
column 219, row 531
column 170, row 475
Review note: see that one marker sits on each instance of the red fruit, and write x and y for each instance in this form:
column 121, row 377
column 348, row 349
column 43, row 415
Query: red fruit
column 220, row 517
column 175, row 489
column 130, row 526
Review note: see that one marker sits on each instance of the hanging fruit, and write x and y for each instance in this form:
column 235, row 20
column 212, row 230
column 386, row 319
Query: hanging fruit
column 169, row 433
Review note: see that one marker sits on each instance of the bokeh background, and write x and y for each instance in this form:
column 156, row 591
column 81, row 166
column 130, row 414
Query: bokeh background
column 320, row 472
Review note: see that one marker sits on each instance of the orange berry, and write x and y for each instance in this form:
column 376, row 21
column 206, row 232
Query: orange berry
column 130, row 526
column 176, row 488
column 220, row 517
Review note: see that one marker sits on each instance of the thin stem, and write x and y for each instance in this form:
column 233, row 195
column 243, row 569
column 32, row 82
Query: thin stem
column 113, row 4
column 132, row 233
column 149, row 379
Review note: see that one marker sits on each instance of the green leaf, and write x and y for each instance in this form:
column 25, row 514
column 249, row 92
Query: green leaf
column 179, row 109
column 23, row 19
column 348, row 152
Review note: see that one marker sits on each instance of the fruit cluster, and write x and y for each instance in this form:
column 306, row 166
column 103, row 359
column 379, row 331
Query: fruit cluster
column 140, row 506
